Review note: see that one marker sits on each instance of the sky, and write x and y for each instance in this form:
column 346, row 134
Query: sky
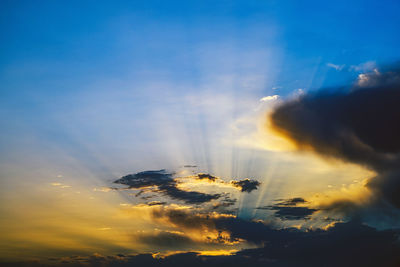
column 169, row 133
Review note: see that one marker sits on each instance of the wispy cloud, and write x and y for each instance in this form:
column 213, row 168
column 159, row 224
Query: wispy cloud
column 364, row 67
column 269, row 98
column 335, row 66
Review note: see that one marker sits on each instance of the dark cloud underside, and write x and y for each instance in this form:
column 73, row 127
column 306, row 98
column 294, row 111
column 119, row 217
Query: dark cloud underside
column 293, row 213
column 360, row 125
column 167, row 240
column 344, row 244
column 286, row 209
column 165, row 184
column 291, row 201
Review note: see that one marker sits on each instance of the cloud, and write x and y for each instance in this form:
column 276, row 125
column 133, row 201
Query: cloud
column 378, row 79
column 269, row 98
column 60, row 185
column 335, row 66
column 344, row 244
column 238, row 229
column 360, row 125
column 167, row 239
column 202, row 176
column 156, row 203
column 224, row 203
column 164, row 183
column 364, row 67
column 291, row 201
column 246, row 185
column 287, row 209
column 292, row 213
column 185, row 219
column 146, row 178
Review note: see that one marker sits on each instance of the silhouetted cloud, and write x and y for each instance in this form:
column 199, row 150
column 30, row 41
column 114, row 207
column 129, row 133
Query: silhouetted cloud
column 202, row 176
column 292, row 213
column 359, row 125
column 164, row 183
column 344, row 244
column 291, row 201
column 246, row 185
column 286, row 209
column 252, row 231
column 146, row 178
column 156, row 203
column 182, row 218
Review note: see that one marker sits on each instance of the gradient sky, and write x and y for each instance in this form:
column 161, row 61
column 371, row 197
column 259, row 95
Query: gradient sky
column 91, row 91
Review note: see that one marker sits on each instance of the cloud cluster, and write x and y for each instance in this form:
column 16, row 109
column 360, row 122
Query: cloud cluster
column 344, row 244
column 360, row 124
column 244, row 185
column 165, row 184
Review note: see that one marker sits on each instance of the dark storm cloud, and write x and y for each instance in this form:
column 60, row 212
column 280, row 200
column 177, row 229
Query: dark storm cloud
column 345, row 244
column 359, row 125
column 165, row 184
column 246, row 185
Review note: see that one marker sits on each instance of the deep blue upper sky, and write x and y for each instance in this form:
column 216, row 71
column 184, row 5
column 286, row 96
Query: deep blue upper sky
column 83, row 40
column 99, row 67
